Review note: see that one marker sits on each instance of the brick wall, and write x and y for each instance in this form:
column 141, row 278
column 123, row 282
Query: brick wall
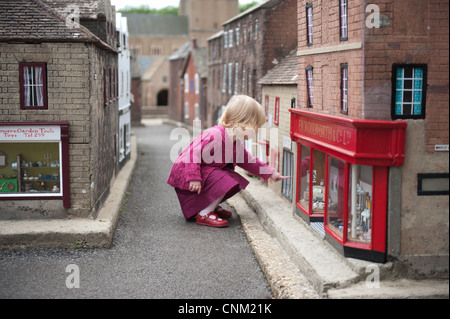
column 327, row 66
column 415, row 32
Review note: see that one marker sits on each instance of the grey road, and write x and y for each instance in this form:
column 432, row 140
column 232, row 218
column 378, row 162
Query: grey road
column 155, row 252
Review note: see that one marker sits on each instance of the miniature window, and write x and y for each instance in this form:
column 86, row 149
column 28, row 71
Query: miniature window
column 360, row 204
column 33, row 86
column 236, row 79
column 343, row 12
column 310, row 86
column 186, row 110
column 336, row 195
column 409, row 96
column 432, row 184
column 105, row 92
column 186, row 83
column 224, row 82
column 237, row 36
column 266, row 105
column 225, row 40
column 230, row 39
column 309, row 24
column 286, row 185
column 197, row 84
column 276, row 119
column 318, row 182
column 243, row 79
column 230, row 77
column 344, row 89
column 256, row 29
column 303, row 178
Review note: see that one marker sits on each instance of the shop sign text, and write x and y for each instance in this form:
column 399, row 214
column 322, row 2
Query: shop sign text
column 29, row 133
column 326, row 132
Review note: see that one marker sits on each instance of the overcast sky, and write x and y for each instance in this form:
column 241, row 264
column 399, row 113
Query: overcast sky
column 154, row 4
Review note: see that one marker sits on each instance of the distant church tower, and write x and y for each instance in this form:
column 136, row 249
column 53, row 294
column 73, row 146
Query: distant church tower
column 206, row 16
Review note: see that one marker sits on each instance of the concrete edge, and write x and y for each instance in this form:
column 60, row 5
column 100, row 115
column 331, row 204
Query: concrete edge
column 76, row 232
column 282, row 275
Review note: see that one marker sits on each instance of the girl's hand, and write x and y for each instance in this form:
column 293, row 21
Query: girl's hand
column 275, row 177
column 195, row 186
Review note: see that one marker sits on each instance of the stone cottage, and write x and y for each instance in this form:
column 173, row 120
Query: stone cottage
column 58, row 108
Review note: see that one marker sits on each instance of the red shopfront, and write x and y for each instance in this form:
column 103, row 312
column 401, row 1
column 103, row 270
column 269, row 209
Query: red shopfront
column 342, row 178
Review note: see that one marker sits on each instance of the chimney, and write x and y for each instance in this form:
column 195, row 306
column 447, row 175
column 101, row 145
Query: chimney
column 193, row 44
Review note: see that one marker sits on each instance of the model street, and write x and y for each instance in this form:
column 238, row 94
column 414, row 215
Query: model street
column 155, row 252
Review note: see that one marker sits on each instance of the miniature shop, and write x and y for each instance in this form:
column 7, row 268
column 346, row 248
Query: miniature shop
column 342, row 179
column 34, row 161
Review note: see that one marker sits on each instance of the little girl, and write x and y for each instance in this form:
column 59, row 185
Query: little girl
column 203, row 174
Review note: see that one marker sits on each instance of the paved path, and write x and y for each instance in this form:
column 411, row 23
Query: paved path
column 155, row 252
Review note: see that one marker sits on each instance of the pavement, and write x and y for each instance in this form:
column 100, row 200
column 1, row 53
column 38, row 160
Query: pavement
column 297, row 263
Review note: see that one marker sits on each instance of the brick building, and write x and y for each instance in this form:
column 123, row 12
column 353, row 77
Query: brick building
column 215, row 65
column 371, row 129
column 253, row 43
column 59, row 109
column 194, row 75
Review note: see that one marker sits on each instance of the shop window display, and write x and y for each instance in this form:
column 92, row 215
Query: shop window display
column 360, row 204
column 318, row 182
column 31, row 168
column 336, row 196
column 303, row 178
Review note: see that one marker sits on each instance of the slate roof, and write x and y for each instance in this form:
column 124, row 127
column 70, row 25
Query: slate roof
column 89, row 9
column 266, row 4
column 35, row 22
column 285, row 73
column 181, row 53
column 157, row 24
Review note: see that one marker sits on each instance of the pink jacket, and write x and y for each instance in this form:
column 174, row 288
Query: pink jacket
column 213, row 149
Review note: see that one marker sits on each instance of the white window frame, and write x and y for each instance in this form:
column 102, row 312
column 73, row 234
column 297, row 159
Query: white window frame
column 309, row 24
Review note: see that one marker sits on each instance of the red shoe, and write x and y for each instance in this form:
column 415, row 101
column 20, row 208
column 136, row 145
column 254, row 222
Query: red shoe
column 206, row 220
column 222, row 213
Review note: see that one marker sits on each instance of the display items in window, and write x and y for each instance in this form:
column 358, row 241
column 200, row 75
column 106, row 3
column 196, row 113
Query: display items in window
column 336, row 196
column 360, row 204
column 34, row 168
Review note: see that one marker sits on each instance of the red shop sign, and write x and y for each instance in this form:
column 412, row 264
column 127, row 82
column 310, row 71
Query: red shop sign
column 363, row 142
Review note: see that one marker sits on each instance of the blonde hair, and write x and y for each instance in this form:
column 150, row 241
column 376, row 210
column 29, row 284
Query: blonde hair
column 243, row 112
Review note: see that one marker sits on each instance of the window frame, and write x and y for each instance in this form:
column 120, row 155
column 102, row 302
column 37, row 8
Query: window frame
column 343, row 3
column 395, row 67
column 43, row 65
column 344, row 89
column 310, row 86
column 105, row 92
column 309, row 24
column 276, row 117
column 287, row 170
column 426, row 176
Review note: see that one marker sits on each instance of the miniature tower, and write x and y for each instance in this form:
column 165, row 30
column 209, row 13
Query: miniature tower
column 206, row 16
